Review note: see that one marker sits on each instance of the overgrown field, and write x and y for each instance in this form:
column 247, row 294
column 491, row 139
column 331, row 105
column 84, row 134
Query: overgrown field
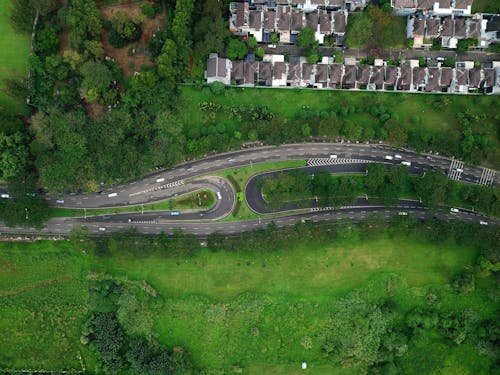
column 462, row 126
column 14, row 49
column 261, row 311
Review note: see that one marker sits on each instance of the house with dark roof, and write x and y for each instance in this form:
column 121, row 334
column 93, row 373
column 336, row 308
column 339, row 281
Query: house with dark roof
column 237, row 72
column 312, row 20
column 293, row 75
column 349, row 77
column 446, row 77
column 362, row 75
column 433, row 80
column 297, row 21
column 432, row 27
column 269, row 21
column 265, row 73
column 218, row 69
column 307, row 74
column 474, row 78
column 340, row 21
column 325, row 22
column 460, row 29
column 321, row 77
column 488, row 80
column 474, row 28
column 251, row 71
column 376, row 81
column 335, row 75
column 404, row 80
column 279, row 74
column 391, row 75
column 419, row 78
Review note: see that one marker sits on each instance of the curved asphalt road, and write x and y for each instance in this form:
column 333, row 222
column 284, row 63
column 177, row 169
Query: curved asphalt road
column 169, row 183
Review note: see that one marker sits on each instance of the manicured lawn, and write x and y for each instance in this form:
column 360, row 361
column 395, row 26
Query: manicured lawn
column 247, row 309
column 14, row 54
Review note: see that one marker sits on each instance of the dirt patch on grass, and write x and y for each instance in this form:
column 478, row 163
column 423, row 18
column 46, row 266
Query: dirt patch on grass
column 134, row 62
column 42, row 284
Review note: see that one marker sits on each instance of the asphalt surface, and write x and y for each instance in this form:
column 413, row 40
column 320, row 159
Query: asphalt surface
column 180, row 180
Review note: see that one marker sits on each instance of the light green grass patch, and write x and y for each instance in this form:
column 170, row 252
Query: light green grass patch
column 14, row 52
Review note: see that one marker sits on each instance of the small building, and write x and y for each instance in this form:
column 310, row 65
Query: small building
column 218, row 69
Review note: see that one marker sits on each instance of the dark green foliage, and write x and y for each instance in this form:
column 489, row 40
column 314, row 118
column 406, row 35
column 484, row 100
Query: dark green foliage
column 436, row 44
column 108, row 337
column 463, row 283
column 84, row 22
column 236, row 49
column 464, row 44
column 47, row 39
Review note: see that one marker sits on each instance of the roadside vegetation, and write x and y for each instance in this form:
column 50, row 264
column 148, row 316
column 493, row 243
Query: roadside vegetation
column 381, row 184
column 250, row 303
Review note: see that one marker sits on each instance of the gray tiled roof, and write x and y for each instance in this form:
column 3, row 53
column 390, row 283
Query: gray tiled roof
column 418, row 26
column 377, row 76
column 312, row 20
column 283, row 18
column 474, row 77
column 489, row 77
column 433, row 82
column 339, row 22
column 269, row 18
column 447, row 27
column 297, row 20
column 390, row 75
column 250, row 68
column 446, row 76
column 432, row 27
column 418, row 75
column 349, row 78
column 462, row 76
column 459, row 27
column 293, row 72
column 335, row 74
column 325, row 22
column 266, row 72
column 363, row 74
column 322, row 73
column 279, row 70
column 255, row 19
column 237, row 71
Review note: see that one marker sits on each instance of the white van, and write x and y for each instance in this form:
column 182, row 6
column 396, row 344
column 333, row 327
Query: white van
column 333, row 156
column 219, row 196
column 102, row 229
column 4, row 195
column 407, row 163
column 459, row 170
column 454, row 210
column 398, row 156
column 111, row 195
column 60, row 201
column 389, row 157
column 160, row 179
column 483, row 222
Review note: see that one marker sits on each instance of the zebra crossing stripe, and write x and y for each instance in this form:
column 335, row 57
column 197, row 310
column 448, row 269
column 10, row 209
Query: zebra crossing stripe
column 316, row 162
column 161, row 187
column 453, row 172
column 487, row 177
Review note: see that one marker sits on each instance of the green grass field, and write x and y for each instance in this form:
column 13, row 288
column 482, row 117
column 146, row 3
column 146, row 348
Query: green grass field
column 247, row 309
column 14, row 54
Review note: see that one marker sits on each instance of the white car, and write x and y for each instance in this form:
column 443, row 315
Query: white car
column 4, row 195
column 333, row 156
column 454, row 210
column 219, row 196
column 483, row 222
column 160, row 179
column 111, row 195
column 459, row 170
column 398, row 156
column 271, row 46
column 60, row 201
column 403, row 213
column 407, row 163
column 389, row 157
column 102, row 229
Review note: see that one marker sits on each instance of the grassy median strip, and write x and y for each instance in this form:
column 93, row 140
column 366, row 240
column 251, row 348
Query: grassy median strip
column 202, row 199
column 238, row 177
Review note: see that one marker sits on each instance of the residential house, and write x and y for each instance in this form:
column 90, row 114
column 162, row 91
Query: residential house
column 432, row 7
column 349, row 77
column 265, row 73
column 446, row 78
column 418, row 31
column 279, row 74
column 297, row 21
column 307, row 74
column 284, row 16
column 391, row 76
column 433, row 25
column 335, row 76
column 433, row 79
column 255, row 23
column 293, row 75
column 376, row 81
column 251, row 71
column 321, row 77
column 404, row 80
column 237, row 73
column 419, row 78
column 218, row 69
column 474, row 78
column 363, row 76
